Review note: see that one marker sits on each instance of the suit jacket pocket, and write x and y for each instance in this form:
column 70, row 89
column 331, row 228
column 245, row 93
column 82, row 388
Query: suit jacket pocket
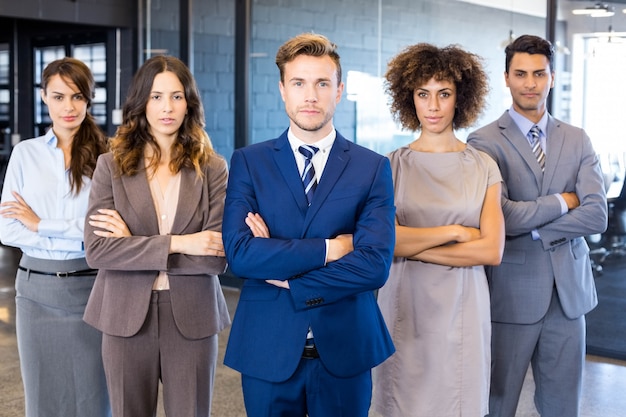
column 579, row 248
column 514, row 257
column 351, row 194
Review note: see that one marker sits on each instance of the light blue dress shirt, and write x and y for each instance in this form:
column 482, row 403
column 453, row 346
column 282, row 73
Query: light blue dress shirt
column 525, row 125
column 36, row 171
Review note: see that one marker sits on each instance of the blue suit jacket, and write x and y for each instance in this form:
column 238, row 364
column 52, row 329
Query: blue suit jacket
column 521, row 286
column 354, row 195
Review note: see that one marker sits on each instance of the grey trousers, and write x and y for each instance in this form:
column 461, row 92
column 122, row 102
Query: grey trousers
column 60, row 355
column 555, row 348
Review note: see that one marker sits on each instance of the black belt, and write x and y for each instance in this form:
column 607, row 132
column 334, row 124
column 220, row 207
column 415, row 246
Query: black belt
column 310, row 352
column 66, row 274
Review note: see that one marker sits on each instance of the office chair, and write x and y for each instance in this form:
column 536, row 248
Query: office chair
column 612, row 243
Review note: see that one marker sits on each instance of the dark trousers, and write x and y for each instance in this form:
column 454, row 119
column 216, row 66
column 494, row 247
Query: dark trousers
column 311, row 391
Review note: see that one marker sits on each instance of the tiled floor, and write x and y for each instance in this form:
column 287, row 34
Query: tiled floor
column 603, row 386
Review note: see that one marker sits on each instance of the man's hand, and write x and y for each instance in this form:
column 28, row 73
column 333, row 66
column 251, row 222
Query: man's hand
column 278, row 283
column 259, row 229
column 339, row 247
column 257, row 225
column 571, row 199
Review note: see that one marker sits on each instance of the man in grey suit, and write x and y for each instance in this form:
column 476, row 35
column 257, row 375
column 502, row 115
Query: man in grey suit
column 553, row 196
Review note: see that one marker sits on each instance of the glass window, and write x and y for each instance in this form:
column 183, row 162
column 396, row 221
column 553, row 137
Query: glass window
column 5, row 96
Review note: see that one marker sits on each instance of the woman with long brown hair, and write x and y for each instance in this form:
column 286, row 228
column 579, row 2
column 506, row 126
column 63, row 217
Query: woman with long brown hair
column 44, row 201
column 154, row 231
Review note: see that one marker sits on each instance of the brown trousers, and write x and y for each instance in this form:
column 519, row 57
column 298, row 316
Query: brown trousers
column 134, row 365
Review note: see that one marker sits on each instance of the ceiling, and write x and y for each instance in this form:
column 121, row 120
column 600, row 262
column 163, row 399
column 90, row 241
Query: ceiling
column 594, row 2
column 617, row 22
column 576, row 24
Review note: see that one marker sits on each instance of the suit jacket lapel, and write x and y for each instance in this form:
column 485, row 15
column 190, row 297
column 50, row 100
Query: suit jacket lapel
column 555, row 143
column 337, row 162
column 512, row 133
column 190, row 191
column 288, row 168
column 140, row 199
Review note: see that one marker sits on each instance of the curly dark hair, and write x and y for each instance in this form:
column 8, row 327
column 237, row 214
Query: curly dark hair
column 89, row 141
column 193, row 147
column 417, row 64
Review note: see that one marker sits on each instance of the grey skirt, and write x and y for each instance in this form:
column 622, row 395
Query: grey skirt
column 60, row 355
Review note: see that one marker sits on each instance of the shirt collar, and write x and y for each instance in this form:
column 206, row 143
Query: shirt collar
column 525, row 125
column 323, row 144
column 50, row 138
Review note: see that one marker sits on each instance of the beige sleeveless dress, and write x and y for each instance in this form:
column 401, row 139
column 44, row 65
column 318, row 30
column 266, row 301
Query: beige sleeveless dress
column 438, row 316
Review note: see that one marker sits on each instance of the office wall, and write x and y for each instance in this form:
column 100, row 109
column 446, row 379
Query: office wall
column 213, row 58
column 98, row 12
column 368, row 33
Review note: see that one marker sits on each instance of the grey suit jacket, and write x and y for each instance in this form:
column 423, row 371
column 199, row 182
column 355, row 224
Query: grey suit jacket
column 521, row 286
column 121, row 295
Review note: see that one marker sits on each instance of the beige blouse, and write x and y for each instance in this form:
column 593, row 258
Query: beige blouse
column 165, row 203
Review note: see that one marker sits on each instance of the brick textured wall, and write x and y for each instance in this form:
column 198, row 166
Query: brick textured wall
column 368, row 33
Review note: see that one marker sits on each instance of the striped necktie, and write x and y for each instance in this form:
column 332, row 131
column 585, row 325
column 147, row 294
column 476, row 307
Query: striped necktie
column 536, row 145
column 308, row 173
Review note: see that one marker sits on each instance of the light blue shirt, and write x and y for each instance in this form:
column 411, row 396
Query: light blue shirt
column 36, row 171
column 524, row 126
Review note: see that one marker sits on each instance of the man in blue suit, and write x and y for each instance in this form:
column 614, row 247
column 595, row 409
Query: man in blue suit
column 309, row 225
column 553, row 196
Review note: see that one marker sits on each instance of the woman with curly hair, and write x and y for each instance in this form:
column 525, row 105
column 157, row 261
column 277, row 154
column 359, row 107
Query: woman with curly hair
column 44, row 202
column 154, row 231
column 449, row 224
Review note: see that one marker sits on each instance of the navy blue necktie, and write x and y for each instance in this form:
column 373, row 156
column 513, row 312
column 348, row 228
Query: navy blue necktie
column 308, row 173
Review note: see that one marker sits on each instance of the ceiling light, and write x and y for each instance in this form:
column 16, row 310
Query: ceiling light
column 597, row 10
column 508, row 40
column 562, row 48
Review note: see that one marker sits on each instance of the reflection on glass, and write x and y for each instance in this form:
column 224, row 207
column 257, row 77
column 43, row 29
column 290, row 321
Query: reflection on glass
column 375, row 128
column 599, row 82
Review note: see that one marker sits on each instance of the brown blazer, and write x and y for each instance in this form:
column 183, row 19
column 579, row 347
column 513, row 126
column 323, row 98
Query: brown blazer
column 120, row 298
